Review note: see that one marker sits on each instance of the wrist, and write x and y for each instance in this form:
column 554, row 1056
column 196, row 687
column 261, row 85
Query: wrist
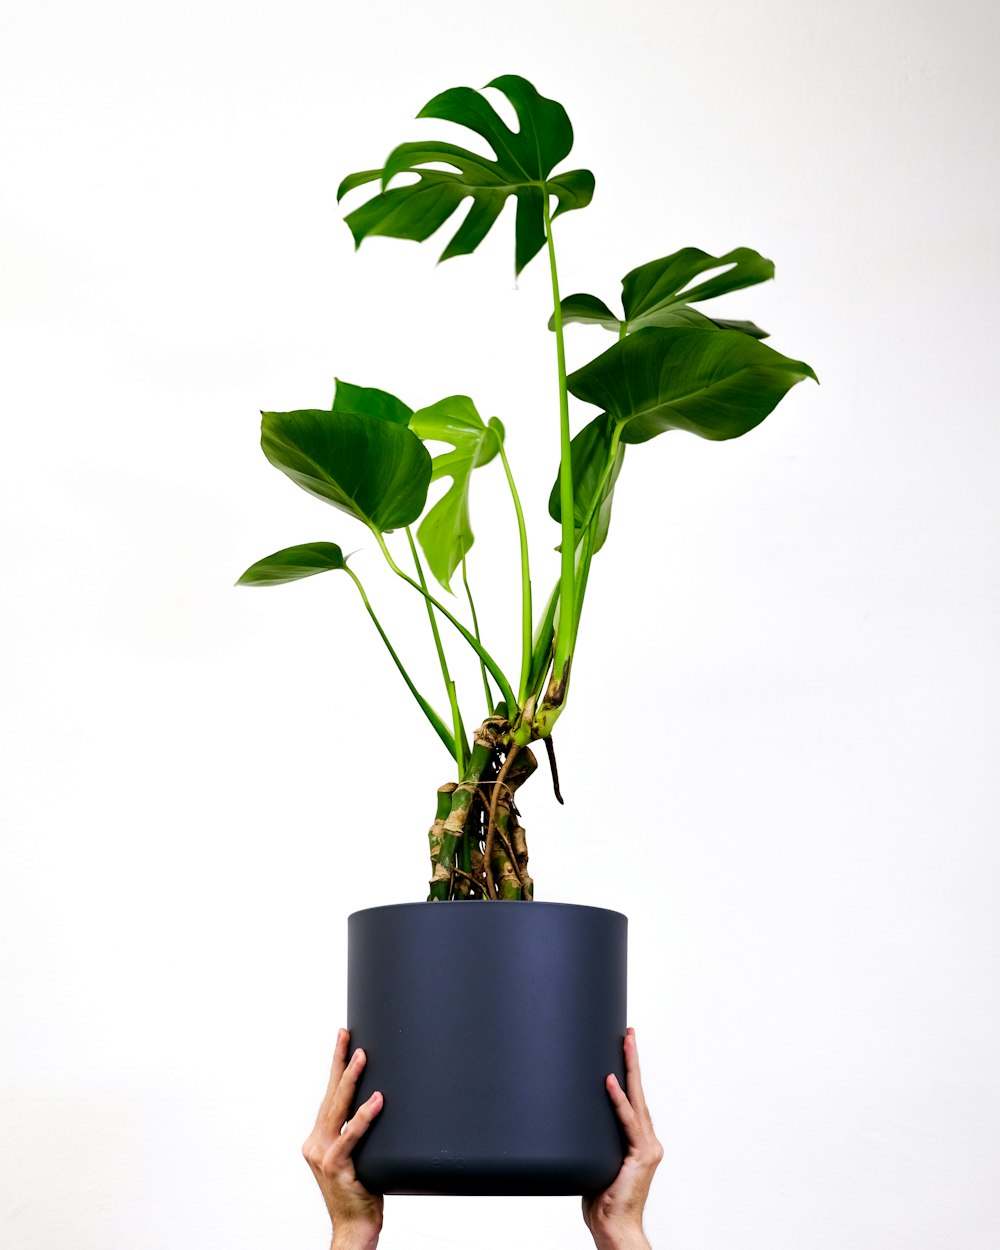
column 355, row 1240
column 622, row 1239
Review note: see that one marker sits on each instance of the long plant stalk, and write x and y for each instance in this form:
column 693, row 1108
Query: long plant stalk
column 494, row 668
column 475, row 630
column 522, row 534
column 461, row 746
column 567, row 578
column 425, row 707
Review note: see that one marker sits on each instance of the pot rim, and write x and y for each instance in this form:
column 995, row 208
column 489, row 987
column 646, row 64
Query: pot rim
column 506, row 904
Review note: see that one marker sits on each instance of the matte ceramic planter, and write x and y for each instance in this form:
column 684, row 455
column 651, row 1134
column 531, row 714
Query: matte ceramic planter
column 490, row 1029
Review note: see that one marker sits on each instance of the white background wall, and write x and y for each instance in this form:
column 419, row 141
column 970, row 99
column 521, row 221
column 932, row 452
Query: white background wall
column 780, row 754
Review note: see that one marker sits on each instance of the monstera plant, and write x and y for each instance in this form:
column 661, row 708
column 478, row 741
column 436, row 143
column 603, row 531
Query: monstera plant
column 672, row 365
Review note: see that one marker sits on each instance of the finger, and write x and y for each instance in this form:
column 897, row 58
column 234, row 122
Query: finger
column 339, row 1105
column 623, row 1109
column 358, row 1124
column 633, row 1077
column 337, row 1066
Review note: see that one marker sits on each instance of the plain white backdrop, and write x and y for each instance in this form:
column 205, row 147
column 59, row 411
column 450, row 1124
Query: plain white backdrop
column 780, row 753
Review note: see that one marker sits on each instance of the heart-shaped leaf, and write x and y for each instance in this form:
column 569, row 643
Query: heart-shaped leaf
column 594, row 478
column 715, row 383
column 524, row 160
column 369, row 401
column 293, row 563
column 658, row 294
column 445, row 533
column 377, row 471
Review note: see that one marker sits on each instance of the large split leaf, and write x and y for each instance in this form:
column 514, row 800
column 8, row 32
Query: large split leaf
column 594, row 478
column 293, row 563
column 377, row 471
column 715, row 383
column 445, row 533
column 660, row 294
column 524, row 160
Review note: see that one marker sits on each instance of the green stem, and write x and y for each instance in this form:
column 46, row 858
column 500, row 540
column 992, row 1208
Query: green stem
column 567, row 579
column 480, row 650
column 525, row 582
column 425, row 707
column 461, row 746
column 475, row 630
column 453, row 828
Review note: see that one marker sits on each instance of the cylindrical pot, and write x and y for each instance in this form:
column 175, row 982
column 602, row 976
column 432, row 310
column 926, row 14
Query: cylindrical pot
column 490, row 1029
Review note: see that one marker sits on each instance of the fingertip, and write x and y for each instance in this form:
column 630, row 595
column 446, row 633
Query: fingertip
column 375, row 1102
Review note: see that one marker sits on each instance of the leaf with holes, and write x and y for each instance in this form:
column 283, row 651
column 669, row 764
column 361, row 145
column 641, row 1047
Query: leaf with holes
column 658, row 294
column 522, row 166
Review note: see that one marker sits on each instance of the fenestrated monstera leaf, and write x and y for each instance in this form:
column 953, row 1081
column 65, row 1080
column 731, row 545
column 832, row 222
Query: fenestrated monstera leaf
column 293, row 563
column 593, row 481
column 715, row 383
column 524, row 160
column 376, row 471
column 445, row 533
column 369, row 401
column 658, row 294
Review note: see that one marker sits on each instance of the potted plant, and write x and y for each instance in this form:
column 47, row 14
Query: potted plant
column 550, row 1025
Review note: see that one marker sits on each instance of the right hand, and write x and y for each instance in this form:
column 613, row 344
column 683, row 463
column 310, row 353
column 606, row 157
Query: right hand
column 614, row 1217
column 355, row 1213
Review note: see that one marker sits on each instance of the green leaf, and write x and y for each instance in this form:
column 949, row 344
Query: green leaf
column 369, row 401
column 661, row 284
column 588, row 310
column 524, row 159
column 293, row 563
column 376, row 471
column 593, row 480
column 657, row 294
column 715, row 383
column 445, row 533
column 744, row 327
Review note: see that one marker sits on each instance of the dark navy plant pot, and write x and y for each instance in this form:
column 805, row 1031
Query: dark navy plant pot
column 490, row 1029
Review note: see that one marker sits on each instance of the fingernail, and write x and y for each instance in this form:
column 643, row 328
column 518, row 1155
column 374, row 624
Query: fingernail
column 358, row 1058
column 375, row 1098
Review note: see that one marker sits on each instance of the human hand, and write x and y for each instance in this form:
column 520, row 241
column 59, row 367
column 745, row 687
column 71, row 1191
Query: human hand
column 356, row 1214
column 614, row 1217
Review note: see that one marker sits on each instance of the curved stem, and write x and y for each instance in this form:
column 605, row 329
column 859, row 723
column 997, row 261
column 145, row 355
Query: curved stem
column 425, row 707
column 461, row 746
column 567, row 579
column 480, row 650
column 525, row 582
column 475, row 630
